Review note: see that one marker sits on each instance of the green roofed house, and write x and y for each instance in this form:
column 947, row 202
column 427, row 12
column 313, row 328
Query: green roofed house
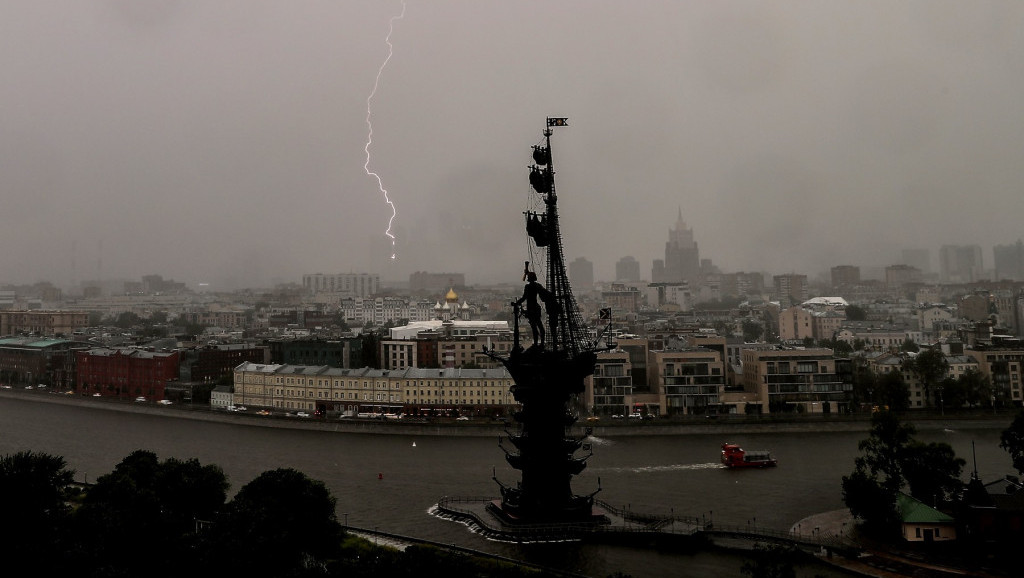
column 922, row 523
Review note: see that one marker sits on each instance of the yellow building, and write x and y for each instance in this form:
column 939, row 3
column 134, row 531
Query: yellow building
column 328, row 390
column 1004, row 366
column 47, row 323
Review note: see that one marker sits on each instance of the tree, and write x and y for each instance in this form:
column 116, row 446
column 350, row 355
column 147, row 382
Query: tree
column 369, row 346
column 33, row 494
column 752, row 330
column 977, row 388
column 871, row 490
column 930, row 366
column 127, row 320
column 910, row 346
column 722, row 328
column 144, row 502
column 839, row 347
column 280, row 522
column 1012, row 440
column 891, row 391
column 772, row 561
column 856, row 313
column 195, row 329
column 954, row 395
column 932, row 472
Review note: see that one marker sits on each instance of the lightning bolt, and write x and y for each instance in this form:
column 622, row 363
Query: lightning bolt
column 369, row 129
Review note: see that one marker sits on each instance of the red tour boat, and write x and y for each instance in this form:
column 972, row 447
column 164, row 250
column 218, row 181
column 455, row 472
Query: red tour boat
column 733, row 456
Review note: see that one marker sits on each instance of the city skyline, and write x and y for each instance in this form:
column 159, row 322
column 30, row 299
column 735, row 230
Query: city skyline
column 220, row 145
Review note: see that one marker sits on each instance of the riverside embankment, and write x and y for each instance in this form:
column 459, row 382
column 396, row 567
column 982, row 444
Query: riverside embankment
column 604, row 427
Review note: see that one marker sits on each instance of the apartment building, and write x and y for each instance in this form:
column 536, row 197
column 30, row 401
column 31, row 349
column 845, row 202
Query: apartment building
column 30, row 361
column 431, row 349
column 689, row 380
column 44, row 323
column 1004, row 366
column 609, row 391
column 359, row 284
column 791, row 379
column 790, row 288
column 329, row 390
column 798, row 323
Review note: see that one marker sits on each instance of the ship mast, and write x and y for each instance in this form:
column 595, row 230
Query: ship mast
column 569, row 333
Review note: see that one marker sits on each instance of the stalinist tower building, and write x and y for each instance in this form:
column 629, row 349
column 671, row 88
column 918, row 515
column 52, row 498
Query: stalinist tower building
column 682, row 259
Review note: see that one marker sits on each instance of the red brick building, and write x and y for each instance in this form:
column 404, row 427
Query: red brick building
column 125, row 373
column 31, row 361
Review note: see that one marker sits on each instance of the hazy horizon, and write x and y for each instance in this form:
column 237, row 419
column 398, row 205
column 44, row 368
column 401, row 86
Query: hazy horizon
column 223, row 141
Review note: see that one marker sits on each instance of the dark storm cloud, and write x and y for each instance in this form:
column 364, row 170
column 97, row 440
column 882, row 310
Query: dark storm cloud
column 223, row 140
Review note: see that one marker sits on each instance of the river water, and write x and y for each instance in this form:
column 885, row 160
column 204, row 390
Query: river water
column 388, row 482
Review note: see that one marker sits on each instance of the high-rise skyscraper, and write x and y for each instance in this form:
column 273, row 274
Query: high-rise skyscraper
column 960, row 263
column 1009, row 261
column 790, row 289
column 627, row 269
column 581, row 273
column 843, row 275
column 682, row 257
column 919, row 258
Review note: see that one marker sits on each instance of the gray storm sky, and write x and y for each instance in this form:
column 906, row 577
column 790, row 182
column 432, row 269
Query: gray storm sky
column 222, row 141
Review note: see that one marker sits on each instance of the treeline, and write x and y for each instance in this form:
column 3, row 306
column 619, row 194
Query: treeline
column 157, row 518
column 892, row 461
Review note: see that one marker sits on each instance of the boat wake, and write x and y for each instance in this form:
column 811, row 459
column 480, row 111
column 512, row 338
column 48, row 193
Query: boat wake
column 668, row 468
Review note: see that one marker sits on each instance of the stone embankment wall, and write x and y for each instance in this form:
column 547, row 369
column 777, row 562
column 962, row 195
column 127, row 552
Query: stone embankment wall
column 602, row 428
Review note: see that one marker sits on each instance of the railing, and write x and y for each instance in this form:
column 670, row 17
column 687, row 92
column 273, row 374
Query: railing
column 752, row 531
column 629, row 522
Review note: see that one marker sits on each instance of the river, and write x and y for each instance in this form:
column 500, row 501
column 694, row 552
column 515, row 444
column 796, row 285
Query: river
column 388, row 482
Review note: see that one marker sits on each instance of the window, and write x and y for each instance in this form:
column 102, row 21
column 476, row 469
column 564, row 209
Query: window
column 807, row 367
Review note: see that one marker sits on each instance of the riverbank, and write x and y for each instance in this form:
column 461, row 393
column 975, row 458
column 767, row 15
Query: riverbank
column 721, row 425
column 882, row 560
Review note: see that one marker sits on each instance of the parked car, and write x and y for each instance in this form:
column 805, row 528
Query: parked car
column 165, row 402
column 302, row 414
column 140, row 399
